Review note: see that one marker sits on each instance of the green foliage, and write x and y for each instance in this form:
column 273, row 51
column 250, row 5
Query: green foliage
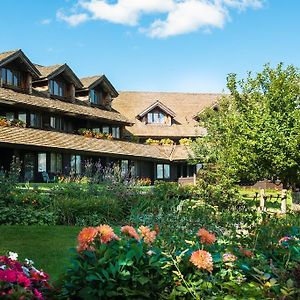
column 87, row 205
column 121, row 269
column 255, row 133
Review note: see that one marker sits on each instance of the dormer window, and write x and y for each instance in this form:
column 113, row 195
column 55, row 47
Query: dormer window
column 95, row 96
column 11, row 77
column 156, row 118
column 157, row 113
column 57, row 88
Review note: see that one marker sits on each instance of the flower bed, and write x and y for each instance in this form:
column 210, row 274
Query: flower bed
column 22, row 281
column 135, row 264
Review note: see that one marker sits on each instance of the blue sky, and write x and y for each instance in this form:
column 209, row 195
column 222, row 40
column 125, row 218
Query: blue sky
column 155, row 45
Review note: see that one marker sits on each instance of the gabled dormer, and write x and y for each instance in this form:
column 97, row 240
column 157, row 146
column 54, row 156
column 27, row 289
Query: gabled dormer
column 57, row 81
column 157, row 114
column 97, row 91
column 17, row 71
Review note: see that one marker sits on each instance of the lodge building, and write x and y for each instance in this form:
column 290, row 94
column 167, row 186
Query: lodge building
column 54, row 122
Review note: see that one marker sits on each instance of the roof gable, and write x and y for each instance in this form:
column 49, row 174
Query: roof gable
column 10, row 56
column 51, row 72
column 159, row 105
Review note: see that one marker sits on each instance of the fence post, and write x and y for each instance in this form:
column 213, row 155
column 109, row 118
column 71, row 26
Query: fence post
column 262, row 200
column 283, row 201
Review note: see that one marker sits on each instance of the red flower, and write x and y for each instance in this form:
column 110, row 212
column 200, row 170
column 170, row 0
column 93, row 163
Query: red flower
column 8, row 275
column 38, row 294
column 23, row 280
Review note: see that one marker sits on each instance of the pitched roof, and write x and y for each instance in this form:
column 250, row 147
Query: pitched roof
column 159, row 105
column 6, row 54
column 92, row 81
column 50, row 72
column 89, row 81
column 47, row 70
column 184, row 105
column 63, row 141
column 10, row 96
column 9, row 56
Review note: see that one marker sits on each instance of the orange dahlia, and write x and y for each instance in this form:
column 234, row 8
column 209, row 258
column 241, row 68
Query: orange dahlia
column 130, row 231
column 86, row 237
column 206, row 237
column 148, row 235
column 246, row 252
column 106, row 234
column 202, row 260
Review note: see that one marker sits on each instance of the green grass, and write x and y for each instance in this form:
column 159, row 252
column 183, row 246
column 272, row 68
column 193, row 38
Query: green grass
column 47, row 246
column 272, row 203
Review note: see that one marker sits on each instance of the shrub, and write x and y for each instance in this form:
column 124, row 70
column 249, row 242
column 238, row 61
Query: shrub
column 109, row 267
column 22, row 281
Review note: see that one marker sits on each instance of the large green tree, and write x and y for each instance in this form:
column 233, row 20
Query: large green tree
column 255, row 132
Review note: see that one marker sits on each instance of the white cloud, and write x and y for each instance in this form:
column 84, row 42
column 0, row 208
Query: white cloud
column 173, row 17
column 188, row 16
column 72, row 20
column 45, row 21
column 126, row 12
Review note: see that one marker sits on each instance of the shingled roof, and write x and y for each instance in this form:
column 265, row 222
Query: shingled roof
column 92, row 81
column 9, row 56
column 63, row 141
column 12, row 97
column 6, row 54
column 52, row 71
column 184, row 105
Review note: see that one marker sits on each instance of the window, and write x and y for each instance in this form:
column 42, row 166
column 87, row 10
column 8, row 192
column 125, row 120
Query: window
column 156, row 118
column 95, row 96
column 163, row 171
column 22, row 117
column 11, row 77
column 56, row 163
column 124, row 167
column 96, row 130
column 35, row 120
column 76, row 164
column 57, row 88
column 42, row 162
column 56, row 123
column 116, row 132
column 29, row 164
column 105, row 129
column 10, row 116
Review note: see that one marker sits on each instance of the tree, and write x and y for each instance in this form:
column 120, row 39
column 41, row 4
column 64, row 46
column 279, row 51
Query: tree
column 255, row 132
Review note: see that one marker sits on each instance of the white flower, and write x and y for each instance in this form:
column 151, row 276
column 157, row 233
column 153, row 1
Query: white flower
column 12, row 255
column 29, row 262
column 3, row 267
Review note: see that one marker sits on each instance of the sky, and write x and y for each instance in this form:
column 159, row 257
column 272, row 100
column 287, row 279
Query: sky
column 155, row 45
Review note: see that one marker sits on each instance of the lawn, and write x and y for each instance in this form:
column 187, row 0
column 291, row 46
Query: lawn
column 47, row 246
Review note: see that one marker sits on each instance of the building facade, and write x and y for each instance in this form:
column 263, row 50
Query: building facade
column 55, row 122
